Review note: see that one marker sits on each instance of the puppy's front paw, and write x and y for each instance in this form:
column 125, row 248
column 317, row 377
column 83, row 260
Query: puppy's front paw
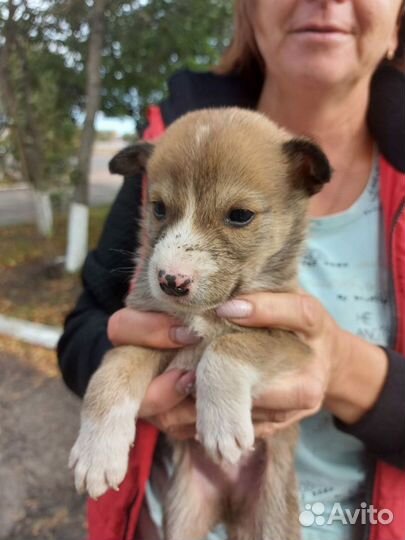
column 99, row 456
column 225, row 431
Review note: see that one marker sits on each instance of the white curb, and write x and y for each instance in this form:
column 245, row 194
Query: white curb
column 17, row 187
column 33, row 333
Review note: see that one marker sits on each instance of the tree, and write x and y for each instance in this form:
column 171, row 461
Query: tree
column 42, row 132
column 61, row 60
column 148, row 41
column 144, row 43
column 79, row 211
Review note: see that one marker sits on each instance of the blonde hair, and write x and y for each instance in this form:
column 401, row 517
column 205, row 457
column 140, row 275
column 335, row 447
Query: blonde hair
column 242, row 55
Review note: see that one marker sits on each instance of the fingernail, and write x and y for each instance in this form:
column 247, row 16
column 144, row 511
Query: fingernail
column 186, row 384
column 235, row 309
column 183, row 335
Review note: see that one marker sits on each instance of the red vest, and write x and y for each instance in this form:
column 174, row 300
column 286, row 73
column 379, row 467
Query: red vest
column 114, row 516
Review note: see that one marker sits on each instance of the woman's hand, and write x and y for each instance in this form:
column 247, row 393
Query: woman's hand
column 146, row 329
column 346, row 373
column 165, row 404
column 168, row 405
column 301, row 393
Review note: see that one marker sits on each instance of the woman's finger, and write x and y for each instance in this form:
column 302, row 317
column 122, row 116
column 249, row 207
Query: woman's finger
column 263, row 430
column 296, row 392
column 178, row 421
column 267, row 429
column 165, row 392
column 298, row 312
column 265, row 415
column 179, row 416
column 146, row 329
column 293, row 418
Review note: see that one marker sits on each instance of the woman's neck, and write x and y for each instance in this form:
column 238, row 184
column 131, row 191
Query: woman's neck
column 338, row 124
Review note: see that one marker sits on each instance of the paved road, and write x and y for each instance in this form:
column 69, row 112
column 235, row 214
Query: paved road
column 39, row 420
column 16, row 206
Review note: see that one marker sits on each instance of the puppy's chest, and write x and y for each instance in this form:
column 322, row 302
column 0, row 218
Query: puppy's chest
column 209, row 328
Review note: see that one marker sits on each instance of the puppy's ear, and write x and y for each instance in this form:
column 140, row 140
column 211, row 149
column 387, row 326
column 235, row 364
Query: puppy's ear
column 132, row 159
column 311, row 168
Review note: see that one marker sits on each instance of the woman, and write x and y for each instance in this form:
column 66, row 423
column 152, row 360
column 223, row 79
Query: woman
column 308, row 65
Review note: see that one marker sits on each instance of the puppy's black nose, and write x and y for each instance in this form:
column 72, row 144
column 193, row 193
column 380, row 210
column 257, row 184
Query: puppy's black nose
column 174, row 285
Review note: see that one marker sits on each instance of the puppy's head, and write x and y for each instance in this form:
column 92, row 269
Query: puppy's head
column 227, row 202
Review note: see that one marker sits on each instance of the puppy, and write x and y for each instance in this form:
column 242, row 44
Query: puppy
column 225, row 215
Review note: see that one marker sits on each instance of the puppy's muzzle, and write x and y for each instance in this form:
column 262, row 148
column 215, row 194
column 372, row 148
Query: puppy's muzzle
column 174, row 285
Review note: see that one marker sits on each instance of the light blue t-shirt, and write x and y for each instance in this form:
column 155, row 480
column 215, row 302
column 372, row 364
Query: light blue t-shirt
column 344, row 267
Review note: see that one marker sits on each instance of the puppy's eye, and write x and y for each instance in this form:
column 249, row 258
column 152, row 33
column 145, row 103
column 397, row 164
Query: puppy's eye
column 239, row 217
column 159, row 210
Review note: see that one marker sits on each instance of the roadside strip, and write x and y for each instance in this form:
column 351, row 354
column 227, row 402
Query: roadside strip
column 33, row 333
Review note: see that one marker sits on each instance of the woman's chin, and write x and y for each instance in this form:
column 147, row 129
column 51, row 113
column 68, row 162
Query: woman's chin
column 317, row 74
column 318, row 64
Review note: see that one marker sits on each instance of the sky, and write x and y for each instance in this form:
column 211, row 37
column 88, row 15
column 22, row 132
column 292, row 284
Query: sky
column 120, row 125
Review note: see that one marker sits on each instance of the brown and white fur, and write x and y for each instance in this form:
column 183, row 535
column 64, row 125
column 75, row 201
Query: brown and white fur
column 209, row 169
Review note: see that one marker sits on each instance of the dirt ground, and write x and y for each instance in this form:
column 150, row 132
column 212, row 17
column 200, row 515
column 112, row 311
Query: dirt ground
column 33, row 285
column 38, row 416
column 39, row 420
column 30, row 291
